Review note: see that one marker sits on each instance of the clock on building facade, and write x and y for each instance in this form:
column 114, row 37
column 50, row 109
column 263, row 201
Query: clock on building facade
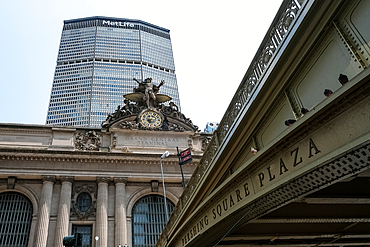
column 151, row 119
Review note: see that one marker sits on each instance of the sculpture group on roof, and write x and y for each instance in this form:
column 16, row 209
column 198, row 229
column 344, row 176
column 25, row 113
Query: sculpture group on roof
column 146, row 97
column 149, row 90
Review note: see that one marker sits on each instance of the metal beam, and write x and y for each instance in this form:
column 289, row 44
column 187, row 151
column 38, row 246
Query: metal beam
column 310, row 221
column 270, row 236
column 337, row 200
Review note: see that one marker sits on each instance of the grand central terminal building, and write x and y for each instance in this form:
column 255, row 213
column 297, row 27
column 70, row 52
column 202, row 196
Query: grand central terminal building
column 105, row 183
column 288, row 164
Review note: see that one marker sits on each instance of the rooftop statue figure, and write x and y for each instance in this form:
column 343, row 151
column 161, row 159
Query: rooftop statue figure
column 149, row 90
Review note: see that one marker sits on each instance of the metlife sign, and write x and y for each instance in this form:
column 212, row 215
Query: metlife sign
column 117, row 24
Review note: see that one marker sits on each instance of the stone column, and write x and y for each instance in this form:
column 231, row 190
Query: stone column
column 63, row 212
column 44, row 212
column 120, row 212
column 102, row 212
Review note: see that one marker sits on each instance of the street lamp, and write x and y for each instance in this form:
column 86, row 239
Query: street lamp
column 164, row 155
column 96, row 239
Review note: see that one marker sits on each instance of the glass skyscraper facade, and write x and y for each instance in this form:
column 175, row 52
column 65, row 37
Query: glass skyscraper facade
column 97, row 61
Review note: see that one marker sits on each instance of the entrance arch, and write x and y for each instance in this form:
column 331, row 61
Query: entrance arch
column 149, row 219
column 15, row 219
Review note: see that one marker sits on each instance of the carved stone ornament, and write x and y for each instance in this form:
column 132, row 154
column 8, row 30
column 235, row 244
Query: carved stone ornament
column 154, row 185
column 144, row 109
column 175, row 127
column 190, row 144
column 88, row 140
column 124, row 150
column 113, row 141
column 129, row 125
column 91, row 189
column 11, row 182
column 205, row 142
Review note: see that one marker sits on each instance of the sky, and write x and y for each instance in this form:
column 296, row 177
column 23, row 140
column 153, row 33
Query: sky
column 213, row 44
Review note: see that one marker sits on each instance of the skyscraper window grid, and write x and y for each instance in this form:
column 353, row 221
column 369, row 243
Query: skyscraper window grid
column 97, row 60
column 70, row 96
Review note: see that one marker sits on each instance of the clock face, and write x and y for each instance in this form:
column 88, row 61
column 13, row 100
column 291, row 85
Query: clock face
column 151, row 119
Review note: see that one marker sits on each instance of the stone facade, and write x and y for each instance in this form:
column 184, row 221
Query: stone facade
column 115, row 167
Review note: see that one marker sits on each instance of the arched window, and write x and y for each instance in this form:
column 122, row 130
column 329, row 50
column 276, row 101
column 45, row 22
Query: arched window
column 15, row 219
column 149, row 219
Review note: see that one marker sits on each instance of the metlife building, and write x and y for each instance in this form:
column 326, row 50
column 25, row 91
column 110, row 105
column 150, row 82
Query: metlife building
column 97, row 61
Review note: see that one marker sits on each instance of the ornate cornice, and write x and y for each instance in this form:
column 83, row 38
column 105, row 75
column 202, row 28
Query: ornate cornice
column 121, row 158
column 48, row 178
column 148, row 184
column 23, row 130
column 29, row 181
column 127, row 183
column 171, row 184
column 84, row 157
column 261, row 62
